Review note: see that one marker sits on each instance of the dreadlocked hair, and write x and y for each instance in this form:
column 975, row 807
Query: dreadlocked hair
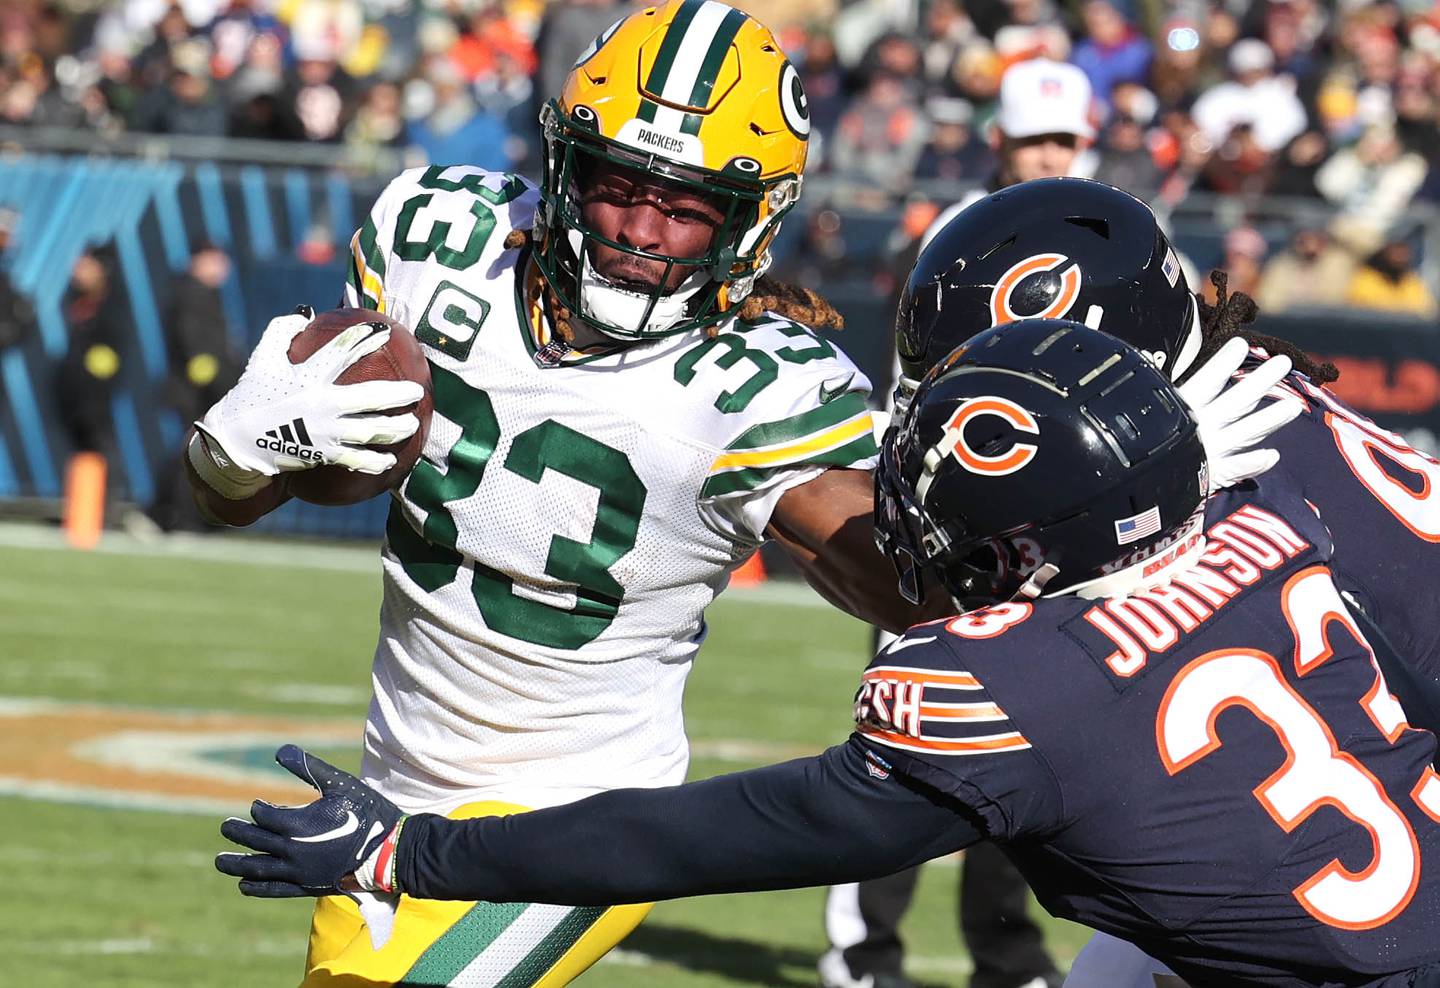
column 794, row 302
column 1232, row 315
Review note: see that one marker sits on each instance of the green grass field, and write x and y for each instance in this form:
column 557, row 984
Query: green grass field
column 133, row 640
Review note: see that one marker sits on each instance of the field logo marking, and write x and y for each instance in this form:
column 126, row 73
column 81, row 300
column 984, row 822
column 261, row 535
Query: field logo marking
column 168, row 760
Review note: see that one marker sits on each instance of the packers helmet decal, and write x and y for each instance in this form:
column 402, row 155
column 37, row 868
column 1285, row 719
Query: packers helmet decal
column 696, row 93
column 793, row 102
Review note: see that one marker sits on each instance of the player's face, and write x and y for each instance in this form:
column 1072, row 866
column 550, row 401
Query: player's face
column 1042, row 156
column 646, row 212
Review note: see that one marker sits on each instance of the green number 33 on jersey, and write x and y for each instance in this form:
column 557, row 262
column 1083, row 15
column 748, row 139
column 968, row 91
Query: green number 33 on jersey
column 432, row 560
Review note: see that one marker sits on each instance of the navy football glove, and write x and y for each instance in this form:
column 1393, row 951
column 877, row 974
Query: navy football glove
column 348, row 833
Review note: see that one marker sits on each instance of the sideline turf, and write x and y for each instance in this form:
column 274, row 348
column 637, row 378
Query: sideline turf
column 107, row 897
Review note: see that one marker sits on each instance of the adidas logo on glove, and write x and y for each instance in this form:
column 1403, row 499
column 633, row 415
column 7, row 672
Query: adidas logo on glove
column 292, row 443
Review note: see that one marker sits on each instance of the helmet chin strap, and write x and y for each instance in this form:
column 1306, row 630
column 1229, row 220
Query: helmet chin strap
column 1035, row 586
column 610, row 305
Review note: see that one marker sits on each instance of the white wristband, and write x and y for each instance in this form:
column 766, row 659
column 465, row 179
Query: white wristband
column 377, row 872
column 230, row 481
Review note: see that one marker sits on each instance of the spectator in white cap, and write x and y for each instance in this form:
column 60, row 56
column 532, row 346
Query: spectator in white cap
column 1256, row 96
column 1044, row 121
column 1042, row 130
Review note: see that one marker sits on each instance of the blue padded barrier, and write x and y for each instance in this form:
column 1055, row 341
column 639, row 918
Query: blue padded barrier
column 258, row 222
column 28, row 422
column 9, row 486
column 297, row 203
column 134, row 461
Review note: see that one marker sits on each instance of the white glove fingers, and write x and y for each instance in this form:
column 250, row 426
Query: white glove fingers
column 364, row 460
column 1251, row 429
column 375, row 430
column 1231, row 470
column 1212, row 376
column 1271, row 372
column 286, row 463
column 375, row 396
column 1245, row 394
column 366, row 341
column 348, row 346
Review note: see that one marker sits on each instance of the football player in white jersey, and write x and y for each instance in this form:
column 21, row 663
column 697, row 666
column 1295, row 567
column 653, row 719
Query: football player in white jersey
column 625, row 408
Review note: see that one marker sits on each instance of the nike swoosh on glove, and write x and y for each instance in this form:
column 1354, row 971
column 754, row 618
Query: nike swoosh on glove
column 1231, row 419
column 351, row 830
column 339, row 420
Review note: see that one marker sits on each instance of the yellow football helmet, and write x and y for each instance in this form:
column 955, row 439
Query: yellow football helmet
column 700, row 94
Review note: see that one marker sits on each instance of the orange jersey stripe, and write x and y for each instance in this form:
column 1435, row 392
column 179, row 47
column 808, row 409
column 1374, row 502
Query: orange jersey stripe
column 999, row 742
column 962, row 711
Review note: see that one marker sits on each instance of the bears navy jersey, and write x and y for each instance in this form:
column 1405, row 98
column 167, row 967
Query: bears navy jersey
column 1214, row 769
column 1380, row 499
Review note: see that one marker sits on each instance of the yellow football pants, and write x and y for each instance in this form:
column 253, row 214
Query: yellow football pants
column 464, row 944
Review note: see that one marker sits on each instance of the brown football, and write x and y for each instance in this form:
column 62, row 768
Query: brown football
column 400, row 359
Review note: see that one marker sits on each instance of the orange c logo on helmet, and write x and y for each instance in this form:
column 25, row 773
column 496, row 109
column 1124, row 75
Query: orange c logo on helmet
column 1000, row 297
column 999, row 465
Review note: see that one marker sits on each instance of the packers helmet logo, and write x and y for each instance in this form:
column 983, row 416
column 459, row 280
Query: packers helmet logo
column 990, row 464
column 794, row 104
column 1043, row 286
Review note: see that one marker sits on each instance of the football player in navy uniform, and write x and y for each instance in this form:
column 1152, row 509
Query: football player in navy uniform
column 1090, row 252
column 1166, row 712
column 1082, row 250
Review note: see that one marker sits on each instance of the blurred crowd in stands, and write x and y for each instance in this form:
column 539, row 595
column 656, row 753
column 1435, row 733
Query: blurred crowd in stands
column 1333, row 102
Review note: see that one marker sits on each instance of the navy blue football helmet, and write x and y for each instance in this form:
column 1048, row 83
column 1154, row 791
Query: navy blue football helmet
column 1037, row 456
column 1052, row 248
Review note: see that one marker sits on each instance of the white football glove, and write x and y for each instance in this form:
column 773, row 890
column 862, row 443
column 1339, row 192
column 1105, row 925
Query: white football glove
column 1231, row 427
column 281, row 416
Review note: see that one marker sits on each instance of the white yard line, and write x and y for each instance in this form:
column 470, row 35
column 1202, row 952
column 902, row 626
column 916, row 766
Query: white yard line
column 243, row 550
column 269, row 947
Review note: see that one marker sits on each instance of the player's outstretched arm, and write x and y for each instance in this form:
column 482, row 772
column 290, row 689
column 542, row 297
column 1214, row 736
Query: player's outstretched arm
column 827, row 527
column 236, row 470
column 808, row 822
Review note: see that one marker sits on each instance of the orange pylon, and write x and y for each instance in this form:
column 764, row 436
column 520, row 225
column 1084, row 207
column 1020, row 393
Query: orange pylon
column 751, row 572
column 84, row 500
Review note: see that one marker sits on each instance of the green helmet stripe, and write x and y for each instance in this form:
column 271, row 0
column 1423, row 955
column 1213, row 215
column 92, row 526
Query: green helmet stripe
column 715, row 57
column 670, row 47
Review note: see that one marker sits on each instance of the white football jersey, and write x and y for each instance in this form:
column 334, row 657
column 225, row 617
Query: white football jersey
column 548, row 562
